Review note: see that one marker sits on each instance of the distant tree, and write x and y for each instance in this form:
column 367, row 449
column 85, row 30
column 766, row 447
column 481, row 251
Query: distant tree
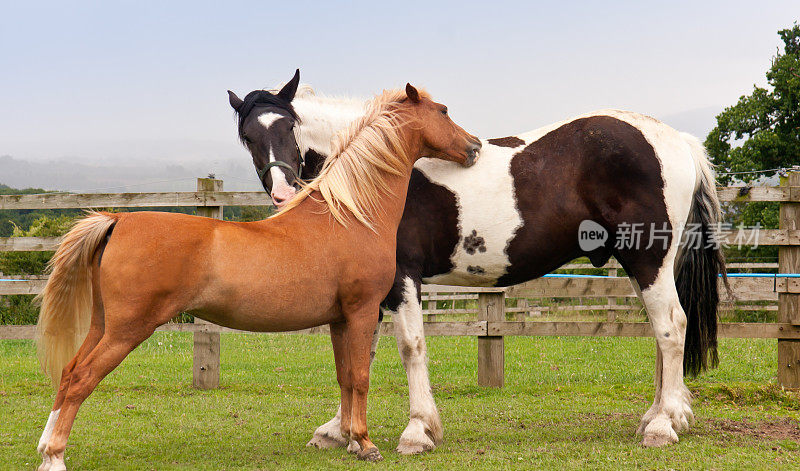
column 762, row 130
column 7, row 190
column 20, row 309
column 255, row 213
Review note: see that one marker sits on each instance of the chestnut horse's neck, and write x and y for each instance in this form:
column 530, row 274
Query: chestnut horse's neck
column 387, row 216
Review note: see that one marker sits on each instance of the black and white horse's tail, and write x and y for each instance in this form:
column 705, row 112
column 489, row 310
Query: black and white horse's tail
column 699, row 266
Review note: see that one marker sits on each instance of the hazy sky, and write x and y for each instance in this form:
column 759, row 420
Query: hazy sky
column 120, row 80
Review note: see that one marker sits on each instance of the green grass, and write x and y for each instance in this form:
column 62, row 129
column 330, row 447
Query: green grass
column 568, row 403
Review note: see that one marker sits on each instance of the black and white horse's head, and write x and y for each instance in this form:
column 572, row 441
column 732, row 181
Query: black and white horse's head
column 266, row 127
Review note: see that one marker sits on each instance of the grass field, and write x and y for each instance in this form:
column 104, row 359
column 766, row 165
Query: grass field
column 569, row 403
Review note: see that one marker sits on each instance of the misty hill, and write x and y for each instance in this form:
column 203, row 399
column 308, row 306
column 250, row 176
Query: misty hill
column 131, row 176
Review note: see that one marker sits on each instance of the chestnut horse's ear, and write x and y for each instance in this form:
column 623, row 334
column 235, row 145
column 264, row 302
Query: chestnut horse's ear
column 235, row 101
column 288, row 90
column 412, row 93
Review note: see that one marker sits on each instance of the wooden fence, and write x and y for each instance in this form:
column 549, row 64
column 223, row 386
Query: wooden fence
column 491, row 325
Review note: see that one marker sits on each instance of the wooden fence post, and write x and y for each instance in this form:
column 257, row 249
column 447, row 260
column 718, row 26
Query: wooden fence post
column 491, row 348
column 524, row 304
column 611, row 314
column 789, row 303
column 206, row 363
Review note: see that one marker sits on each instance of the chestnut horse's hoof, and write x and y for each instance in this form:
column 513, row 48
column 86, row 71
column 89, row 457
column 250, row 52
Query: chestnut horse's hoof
column 370, row 454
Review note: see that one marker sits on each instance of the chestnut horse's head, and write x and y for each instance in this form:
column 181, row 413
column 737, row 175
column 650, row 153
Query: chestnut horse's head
column 266, row 127
column 441, row 137
column 377, row 151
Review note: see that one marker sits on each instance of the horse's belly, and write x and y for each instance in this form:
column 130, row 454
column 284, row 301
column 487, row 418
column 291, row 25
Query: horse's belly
column 268, row 319
column 472, row 271
column 266, row 307
column 479, row 258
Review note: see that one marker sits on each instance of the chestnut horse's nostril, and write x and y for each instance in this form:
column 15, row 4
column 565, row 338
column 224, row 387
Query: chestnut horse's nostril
column 472, row 152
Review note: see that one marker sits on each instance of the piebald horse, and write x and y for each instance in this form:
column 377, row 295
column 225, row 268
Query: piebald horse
column 116, row 277
column 515, row 216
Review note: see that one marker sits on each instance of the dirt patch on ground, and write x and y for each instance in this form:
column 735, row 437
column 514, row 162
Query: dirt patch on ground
column 774, row 429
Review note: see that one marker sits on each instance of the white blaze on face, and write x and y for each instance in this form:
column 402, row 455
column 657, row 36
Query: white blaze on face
column 282, row 191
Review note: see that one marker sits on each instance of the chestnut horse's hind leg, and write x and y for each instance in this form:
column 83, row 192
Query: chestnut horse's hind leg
column 92, row 338
column 85, row 377
column 424, row 430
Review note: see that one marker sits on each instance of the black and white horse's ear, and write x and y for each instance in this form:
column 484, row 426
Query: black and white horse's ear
column 235, row 101
column 288, row 90
column 412, row 93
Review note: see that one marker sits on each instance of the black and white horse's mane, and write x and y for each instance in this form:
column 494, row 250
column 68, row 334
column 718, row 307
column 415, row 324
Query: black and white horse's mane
column 262, row 98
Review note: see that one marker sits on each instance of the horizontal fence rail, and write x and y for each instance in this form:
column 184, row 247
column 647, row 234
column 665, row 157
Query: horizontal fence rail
column 743, row 289
column 135, row 200
column 258, row 198
column 767, row 237
column 492, row 313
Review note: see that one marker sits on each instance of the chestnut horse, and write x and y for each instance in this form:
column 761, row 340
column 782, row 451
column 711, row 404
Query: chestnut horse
column 516, row 215
column 116, row 277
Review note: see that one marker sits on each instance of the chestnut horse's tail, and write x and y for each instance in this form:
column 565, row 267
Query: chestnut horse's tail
column 66, row 301
column 699, row 268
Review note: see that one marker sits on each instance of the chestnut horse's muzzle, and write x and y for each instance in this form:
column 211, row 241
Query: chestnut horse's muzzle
column 472, row 153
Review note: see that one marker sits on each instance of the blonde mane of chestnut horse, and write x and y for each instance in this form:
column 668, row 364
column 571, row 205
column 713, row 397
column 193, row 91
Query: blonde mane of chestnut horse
column 345, row 183
column 155, row 265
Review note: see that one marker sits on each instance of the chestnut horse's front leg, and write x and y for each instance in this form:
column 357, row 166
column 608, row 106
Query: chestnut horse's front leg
column 341, row 436
column 329, row 434
column 352, row 347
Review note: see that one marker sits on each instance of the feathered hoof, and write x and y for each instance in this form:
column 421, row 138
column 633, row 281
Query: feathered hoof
column 324, row 442
column 657, row 440
column 370, row 454
column 415, row 447
column 417, row 438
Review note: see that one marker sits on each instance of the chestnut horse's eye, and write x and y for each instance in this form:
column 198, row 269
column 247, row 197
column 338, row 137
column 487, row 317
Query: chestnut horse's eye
column 444, row 111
